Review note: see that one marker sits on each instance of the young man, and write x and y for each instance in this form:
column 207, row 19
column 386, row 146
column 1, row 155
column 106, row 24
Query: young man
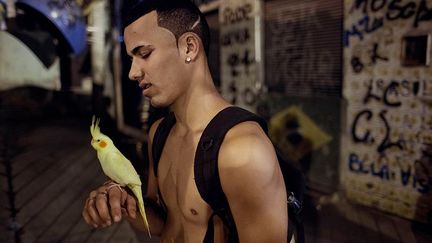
column 167, row 41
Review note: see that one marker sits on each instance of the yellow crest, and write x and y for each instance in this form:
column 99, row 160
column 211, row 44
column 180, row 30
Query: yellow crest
column 94, row 128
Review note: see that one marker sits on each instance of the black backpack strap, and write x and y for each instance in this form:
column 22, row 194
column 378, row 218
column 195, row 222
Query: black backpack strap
column 206, row 165
column 299, row 228
column 160, row 138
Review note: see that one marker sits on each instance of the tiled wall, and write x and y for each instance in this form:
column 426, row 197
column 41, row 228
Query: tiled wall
column 385, row 161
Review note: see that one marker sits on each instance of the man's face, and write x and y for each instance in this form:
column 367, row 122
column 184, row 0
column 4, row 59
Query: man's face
column 156, row 62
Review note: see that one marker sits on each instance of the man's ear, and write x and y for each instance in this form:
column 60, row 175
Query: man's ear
column 189, row 46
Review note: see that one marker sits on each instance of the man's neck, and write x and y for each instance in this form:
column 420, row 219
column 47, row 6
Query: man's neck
column 195, row 109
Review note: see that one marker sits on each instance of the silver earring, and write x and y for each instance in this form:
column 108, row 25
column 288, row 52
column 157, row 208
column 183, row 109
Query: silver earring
column 188, row 59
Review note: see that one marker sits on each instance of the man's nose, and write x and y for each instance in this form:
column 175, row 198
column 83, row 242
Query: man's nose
column 135, row 72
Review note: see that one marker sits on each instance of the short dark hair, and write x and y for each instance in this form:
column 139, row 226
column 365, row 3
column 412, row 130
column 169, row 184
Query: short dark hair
column 178, row 16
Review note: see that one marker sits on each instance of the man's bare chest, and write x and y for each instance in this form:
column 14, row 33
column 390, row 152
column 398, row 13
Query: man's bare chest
column 176, row 180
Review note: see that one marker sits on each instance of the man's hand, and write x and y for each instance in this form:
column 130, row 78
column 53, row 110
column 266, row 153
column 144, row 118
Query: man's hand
column 106, row 205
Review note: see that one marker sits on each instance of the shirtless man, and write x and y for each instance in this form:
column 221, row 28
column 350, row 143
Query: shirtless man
column 168, row 48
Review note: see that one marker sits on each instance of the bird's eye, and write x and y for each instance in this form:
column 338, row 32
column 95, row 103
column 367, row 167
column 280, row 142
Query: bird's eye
column 98, row 140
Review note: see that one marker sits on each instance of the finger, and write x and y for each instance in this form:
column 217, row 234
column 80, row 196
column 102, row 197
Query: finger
column 86, row 215
column 95, row 219
column 87, row 218
column 124, row 195
column 131, row 206
column 124, row 212
column 115, row 203
column 102, row 208
column 89, row 212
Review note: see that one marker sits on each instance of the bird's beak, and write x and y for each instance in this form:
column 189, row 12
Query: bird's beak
column 93, row 143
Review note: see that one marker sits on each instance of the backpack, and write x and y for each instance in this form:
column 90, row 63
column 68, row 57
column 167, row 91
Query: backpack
column 207, row 175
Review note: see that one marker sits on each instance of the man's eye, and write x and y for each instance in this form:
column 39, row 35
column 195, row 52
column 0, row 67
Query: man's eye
column 145, row 54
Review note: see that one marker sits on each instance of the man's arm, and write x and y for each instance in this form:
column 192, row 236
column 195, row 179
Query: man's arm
column 253, row 183
column 106, row 206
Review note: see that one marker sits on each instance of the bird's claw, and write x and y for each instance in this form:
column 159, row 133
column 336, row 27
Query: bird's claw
column 112, row 184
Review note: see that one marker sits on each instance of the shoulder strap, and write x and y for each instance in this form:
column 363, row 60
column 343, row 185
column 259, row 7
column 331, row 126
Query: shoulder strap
column 206, row 156
column 160, row 138
column 206, row 164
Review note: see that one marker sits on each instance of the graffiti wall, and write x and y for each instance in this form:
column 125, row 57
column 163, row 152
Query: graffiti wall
column 386, row 160
column 241, row 51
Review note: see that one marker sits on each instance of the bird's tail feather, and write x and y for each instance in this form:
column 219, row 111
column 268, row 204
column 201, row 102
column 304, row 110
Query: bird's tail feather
column 138, row 194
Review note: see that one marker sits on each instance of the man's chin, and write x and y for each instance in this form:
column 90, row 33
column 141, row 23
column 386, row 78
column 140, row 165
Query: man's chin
column 157, row 104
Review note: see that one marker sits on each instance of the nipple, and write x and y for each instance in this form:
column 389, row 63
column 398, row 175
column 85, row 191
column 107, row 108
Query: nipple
column 193, row 211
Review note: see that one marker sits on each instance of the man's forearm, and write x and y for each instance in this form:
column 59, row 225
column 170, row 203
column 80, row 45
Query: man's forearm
column 155, row 216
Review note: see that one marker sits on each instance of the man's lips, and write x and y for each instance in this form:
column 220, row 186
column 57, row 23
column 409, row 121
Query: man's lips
column 144, row 85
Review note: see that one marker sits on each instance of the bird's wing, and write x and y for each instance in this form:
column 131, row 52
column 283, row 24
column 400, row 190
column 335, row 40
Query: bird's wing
column 120, row 169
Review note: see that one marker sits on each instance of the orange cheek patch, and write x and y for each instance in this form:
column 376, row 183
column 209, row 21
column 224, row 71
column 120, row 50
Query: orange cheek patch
column 102, row 144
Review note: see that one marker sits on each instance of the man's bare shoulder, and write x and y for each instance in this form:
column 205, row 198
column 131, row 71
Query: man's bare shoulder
column 246, row 145
column 253, row 184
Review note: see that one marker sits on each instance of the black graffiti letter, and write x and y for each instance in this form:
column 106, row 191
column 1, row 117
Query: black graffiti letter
column 358, row 4
column 233, row 61
column 375, row 56
column 355, row 136
column 404, row 12
column 356, row 64
column 392, row 88
column 247, row 61
column 386, row 143
column 369, row 94
column 375, row 7
column 423, row 13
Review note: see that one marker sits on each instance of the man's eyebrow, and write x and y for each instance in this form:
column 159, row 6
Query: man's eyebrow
column 138, row 48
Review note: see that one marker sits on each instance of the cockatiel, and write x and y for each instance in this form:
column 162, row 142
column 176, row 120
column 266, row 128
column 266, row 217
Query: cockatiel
column 116, row 166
